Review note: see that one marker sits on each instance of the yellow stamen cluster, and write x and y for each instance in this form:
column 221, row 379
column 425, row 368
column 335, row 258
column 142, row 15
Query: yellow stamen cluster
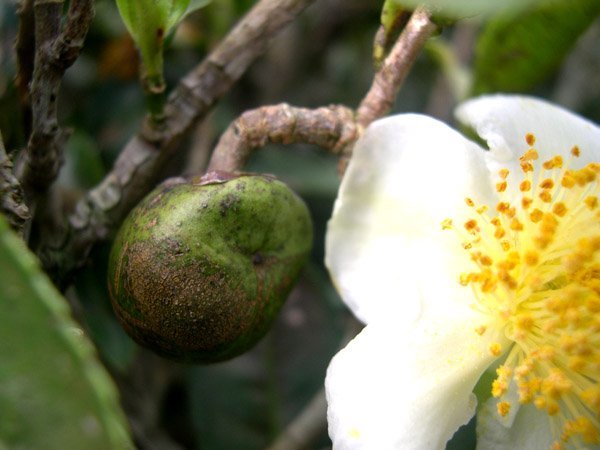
column 537, row 278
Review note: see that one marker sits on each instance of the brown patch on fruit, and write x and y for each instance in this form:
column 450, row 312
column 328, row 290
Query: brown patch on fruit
column 180, row 309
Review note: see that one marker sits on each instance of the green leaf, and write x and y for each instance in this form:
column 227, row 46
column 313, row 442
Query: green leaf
column 194, row 6
column 54, row 394
column 463, row 8
column 148, row 22
column 516, row 52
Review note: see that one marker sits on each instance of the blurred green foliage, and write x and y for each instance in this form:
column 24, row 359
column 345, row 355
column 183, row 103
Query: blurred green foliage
column 517, row 51
column 460, row 9
column 246, row 402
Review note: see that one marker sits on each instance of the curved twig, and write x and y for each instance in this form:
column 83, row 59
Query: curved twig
column 386, row 84
column 331, row 128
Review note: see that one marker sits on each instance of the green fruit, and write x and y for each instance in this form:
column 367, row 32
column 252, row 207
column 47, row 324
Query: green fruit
column 199, row 269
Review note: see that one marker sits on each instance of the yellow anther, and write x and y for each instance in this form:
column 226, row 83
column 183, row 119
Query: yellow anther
column 552, row 408
column 471, row 225
column 540, row 402
column 577, row 363
column 568, row 180
column 469, row 202
column 554, row 163
column 581, row 426
column 446, row 224
column 516, row 225
column 591, row 397
column 495, row 349
column 591, row 201
column 524, row 322
column 530, row 155
column 464, row 279
column 485, row 260
column 501, row 187
column 545, row 196
column 555, row 384
column 548, row 183
column 560, row 209
column 531, row 257
column 528, row 389
column 575, row 151
column 480, row 330
column 499, row 232
column 536, row 215
column 530, row 139
column 502, row 207
column 503, row 173
column 499, row 388
column 525, row 186
column 503, row 408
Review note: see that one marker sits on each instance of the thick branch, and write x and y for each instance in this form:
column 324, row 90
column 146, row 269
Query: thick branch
column 11, row 195
column 386, row 84
column 136, row 169
column 70, row 42
column 332, row 128
column 55, row 52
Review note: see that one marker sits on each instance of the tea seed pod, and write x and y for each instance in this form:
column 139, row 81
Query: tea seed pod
column 199, row 269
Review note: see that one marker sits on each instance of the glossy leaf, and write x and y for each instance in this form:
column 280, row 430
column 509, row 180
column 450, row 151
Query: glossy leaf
column 195, row 5
column 54, row 394
column 148, row 22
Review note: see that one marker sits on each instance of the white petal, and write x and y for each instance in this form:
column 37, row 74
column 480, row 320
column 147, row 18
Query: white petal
column 407, row 174
column 529, row 430
column 411, row 389
column 504, row 121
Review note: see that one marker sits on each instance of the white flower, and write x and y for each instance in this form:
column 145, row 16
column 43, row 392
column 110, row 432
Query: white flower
column 470, row 266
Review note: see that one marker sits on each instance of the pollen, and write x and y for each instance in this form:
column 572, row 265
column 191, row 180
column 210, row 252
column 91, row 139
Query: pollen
column 535, row 274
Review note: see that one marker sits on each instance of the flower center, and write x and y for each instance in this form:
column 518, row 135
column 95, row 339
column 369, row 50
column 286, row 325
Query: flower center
column 537, row 279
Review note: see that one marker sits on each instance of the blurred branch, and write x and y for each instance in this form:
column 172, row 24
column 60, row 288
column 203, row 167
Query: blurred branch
column 11, row 194
column 388, row 79
column 55, row 51
column 138, row 165
column 302, row 431
column 25, row 50
column 331, row 127
column 579, row 79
